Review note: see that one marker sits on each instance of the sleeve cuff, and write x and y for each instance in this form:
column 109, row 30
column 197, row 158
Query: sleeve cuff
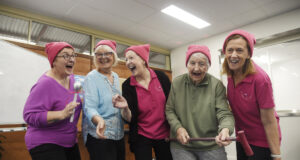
column 231, row 128
column 43, row 118
column 91, row 115
column 176, row 127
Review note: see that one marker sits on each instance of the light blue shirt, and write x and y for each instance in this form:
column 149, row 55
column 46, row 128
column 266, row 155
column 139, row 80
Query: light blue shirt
column 98, row 93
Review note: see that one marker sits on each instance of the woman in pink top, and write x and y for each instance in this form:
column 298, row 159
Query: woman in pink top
column 250, row 95
column 146, row 92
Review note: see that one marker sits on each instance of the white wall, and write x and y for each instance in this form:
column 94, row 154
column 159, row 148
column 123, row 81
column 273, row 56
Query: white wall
column 19, row 71
column 282, row 62
column 261, row 29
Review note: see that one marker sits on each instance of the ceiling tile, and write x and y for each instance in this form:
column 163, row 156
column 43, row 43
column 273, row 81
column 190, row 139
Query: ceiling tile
column 156, row 4
column 280, row 6
column 98, row 19
column 216, row 8
column 263, row 2
column 127, row 9
column 248, row 17
column 146, row 35
column 44, row 7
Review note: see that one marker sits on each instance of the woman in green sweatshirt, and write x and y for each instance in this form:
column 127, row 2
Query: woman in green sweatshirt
column 197, row 107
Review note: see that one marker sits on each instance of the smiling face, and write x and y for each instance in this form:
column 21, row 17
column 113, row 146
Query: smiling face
column 236, row 54
column 104, row 58
column 64, row 62
column 197, row 67
column 135, row 63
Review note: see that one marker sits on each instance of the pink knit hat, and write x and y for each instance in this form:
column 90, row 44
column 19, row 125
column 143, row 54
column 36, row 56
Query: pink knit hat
column 112, row 44
column 248, row 36
column 142, row 51
column 53, row 48
column 196, row 49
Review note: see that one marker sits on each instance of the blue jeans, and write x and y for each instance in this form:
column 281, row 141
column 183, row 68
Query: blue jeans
column 217, row 154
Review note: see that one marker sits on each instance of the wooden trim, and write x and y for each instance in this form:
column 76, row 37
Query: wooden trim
column 12, row 125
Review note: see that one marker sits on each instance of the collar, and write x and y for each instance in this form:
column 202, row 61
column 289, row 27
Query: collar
column 103, row 76
column 247, row 79
column 133, row 81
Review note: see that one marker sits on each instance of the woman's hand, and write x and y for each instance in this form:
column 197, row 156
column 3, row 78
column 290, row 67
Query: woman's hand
column 119, row 102
column 68, row 110
column 100, row 128
column 182, row 136
column 221, row 138
column 54, row 116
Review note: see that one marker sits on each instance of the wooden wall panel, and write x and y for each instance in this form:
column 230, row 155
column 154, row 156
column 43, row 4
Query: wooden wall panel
column 15, row 148
column 82, row 66
column 122, row 70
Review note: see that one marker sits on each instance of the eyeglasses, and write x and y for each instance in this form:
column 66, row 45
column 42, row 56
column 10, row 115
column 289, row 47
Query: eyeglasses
column 106, row 54
column 68, row 57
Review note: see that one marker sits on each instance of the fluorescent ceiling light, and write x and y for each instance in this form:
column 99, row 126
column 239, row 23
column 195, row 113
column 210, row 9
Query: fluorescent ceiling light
column 185, row 16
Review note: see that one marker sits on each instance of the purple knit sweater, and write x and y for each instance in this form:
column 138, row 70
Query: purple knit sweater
column 48, row 95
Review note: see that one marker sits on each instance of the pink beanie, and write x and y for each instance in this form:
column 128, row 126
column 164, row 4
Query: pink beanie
column 142, row 51
column 53, row 48
column 196, row 49
column 248, row 36
column 112, row 44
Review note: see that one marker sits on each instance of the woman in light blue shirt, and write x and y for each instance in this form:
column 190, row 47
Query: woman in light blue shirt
column 102, row 124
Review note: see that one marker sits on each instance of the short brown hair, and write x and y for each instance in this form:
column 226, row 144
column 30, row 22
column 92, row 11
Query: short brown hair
column 248, row 67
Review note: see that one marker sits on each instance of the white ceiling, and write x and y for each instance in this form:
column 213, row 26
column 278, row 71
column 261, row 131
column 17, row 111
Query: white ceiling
column 142, row 20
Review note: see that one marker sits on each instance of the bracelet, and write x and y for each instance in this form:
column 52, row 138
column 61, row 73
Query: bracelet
column 276, row 155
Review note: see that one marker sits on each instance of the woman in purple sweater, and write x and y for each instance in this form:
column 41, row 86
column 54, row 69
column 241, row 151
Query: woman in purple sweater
column 50, row 134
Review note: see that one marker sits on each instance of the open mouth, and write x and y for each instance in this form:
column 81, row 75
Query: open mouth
column 103, row 61
column 196, row 74
column 132, row 68
column 69, row 66
column 234, row 61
